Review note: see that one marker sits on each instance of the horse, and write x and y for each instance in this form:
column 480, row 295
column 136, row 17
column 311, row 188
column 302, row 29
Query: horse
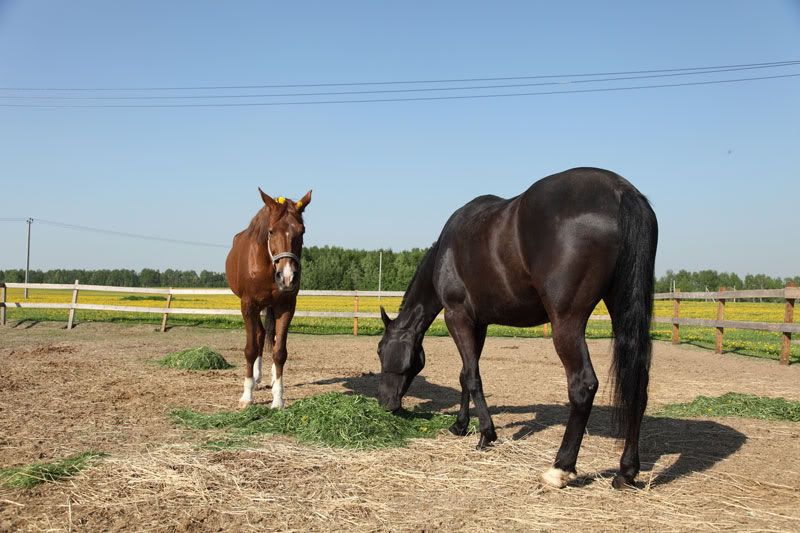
column 263, row 270
column 548, row 255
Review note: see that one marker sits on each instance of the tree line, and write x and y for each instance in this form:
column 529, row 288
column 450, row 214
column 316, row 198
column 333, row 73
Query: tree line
column 711, row 280
column 336, row 268
column 323, row 268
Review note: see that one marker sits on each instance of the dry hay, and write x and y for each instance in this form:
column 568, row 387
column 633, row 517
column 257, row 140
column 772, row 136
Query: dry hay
column 699, row 474
column 444, row 483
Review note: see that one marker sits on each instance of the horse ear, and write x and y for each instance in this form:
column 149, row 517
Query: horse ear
column 268, row 201
column 303, row 202
column 385, row 317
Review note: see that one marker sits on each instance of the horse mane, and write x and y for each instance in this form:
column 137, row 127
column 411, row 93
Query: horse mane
column 422, row 266
column 259, row 224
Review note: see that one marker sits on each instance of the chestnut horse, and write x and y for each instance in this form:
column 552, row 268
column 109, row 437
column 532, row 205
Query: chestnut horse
column 550, row 254
column 263, row 269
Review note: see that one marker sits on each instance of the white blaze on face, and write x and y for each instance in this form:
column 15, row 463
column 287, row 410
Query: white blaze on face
column 277, row 390
column 288, row 273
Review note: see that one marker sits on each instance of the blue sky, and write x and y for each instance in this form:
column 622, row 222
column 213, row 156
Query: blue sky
column 720, row 163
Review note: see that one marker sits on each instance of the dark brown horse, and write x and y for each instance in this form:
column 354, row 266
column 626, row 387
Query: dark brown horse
column 549, row 254
column 263, row 269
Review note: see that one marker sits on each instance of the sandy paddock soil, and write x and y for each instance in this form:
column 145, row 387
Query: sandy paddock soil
column 95, row 388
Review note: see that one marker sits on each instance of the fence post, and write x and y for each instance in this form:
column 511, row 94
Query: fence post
column 2, row 304
column 788, row 318
column 164, row 317
column 544, row 330
column 720, row 316
column 71, row 319
column 355, row 316
column 676, row 313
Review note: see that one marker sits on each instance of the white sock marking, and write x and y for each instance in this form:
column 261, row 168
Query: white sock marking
column 247, row 395
column 277, row 390
column 555, row 477
column 257, row 372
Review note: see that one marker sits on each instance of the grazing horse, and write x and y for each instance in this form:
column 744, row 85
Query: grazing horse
column 263, row 269
column 550, row 254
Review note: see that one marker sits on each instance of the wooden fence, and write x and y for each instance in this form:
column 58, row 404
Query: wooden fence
column 789, row 294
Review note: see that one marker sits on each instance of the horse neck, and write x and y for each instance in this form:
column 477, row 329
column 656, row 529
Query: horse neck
column 421, row 304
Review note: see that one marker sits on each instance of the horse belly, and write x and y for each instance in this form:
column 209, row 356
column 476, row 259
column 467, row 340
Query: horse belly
column 518, row 308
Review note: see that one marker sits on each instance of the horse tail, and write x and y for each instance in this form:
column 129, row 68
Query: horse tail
column 632, row 309
column 269, row 326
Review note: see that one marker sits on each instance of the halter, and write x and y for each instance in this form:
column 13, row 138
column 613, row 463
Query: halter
column 278, row 257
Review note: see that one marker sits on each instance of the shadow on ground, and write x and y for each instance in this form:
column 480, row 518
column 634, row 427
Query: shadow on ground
column 699, row 444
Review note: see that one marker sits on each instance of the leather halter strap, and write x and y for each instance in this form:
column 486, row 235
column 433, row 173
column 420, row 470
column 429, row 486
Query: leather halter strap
column 290, row 255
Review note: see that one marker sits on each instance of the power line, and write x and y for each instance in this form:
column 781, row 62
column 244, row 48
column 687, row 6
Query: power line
column 414, row 99
column 13, row 219
column 398, row 82
column 125, row 234
column 379, row 91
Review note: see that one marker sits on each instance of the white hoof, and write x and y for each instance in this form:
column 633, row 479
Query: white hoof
column 555, row 477
column 244, row 404
column 278, row 404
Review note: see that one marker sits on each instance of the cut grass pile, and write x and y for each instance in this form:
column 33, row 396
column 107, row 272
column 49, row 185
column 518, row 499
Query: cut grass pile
column 201, row 358
column 24, row 477
column 735, row 404
column 332, row 419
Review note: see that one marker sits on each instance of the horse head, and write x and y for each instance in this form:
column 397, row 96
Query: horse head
column 402, row 358
column 282, row 230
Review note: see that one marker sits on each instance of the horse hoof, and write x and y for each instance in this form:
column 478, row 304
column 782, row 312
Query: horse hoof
column 277, row 404
column 620, row 482
column 555, row 477
column 244, row 404
column 458, row 430
column 486, row 440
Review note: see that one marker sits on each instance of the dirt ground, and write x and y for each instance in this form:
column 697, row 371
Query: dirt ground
column 95, row 388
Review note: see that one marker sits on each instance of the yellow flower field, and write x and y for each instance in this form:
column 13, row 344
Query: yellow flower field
column 747, row 311
column 758, row 343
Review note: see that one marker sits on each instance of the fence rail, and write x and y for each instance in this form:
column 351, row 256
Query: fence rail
column 786, row 328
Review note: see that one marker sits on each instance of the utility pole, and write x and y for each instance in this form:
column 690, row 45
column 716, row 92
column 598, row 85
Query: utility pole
column 380, row 273
column 28, row 261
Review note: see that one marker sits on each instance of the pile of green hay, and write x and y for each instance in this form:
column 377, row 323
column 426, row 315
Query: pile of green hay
column 24, row 477
column 332, row 419
column 735, row 404
column 202, row 358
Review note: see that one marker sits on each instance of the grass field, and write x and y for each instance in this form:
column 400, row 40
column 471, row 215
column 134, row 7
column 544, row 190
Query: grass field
column 744, row 342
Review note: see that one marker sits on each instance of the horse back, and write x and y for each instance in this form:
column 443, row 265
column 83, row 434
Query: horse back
column 517, row 261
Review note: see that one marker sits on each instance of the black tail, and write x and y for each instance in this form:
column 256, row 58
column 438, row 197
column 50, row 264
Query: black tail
column 632, row 308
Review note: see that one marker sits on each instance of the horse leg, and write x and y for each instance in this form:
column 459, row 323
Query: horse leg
column 260, row 335
column 570, row 343
column 254, row 330
column 461, row 425
column 267, row 341
column 279, row 354
column 469, row 341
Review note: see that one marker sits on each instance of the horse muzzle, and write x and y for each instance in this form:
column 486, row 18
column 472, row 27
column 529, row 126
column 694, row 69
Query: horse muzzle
column 287, row 278
column 390, row 395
